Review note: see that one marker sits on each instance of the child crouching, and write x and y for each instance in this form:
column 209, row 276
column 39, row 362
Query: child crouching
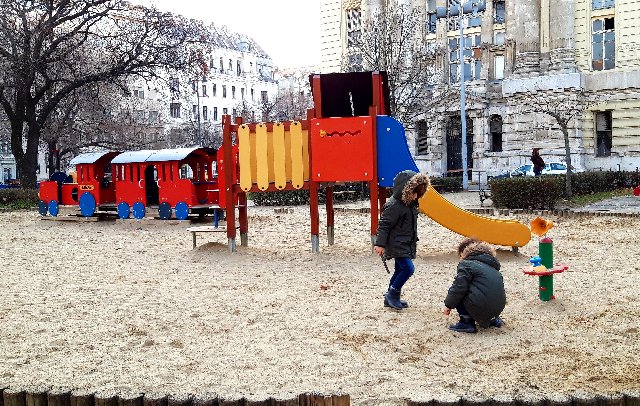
column 477, row 292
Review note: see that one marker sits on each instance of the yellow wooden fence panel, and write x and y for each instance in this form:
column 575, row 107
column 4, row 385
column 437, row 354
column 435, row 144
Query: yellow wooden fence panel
column 262, row 157
column 297, row 167
column 244, row 152
column 279, row 168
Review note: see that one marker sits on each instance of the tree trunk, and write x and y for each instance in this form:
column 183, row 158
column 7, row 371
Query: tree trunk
column 29, row 164
column 567, row 154
column 51, row 145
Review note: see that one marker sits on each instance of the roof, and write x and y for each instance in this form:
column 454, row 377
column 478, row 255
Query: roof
column 161, row 155
column 88, row 158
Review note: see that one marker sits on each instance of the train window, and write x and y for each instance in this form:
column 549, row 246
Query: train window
column 155, row 173
column 138, row 170
column 163, row 174
column 198, row 174
column 214, row 168
column 171, row 173
column 186, row 172
column 131, row 173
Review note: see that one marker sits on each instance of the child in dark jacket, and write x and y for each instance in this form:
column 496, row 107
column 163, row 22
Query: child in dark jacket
column 477, row 292
column 397, row 234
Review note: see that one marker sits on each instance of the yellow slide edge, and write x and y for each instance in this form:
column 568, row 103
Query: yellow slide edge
column 509, row 233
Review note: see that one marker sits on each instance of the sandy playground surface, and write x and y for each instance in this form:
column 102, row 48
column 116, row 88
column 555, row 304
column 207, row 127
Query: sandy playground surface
column 129, row 307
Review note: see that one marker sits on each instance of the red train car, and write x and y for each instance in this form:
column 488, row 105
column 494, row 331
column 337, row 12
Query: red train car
column 179, row 181
column 93, row 187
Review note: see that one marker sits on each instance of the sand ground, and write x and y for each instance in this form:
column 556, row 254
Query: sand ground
column 130, row 307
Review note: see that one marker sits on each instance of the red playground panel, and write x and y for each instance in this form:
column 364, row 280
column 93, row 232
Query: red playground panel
column 342, row 149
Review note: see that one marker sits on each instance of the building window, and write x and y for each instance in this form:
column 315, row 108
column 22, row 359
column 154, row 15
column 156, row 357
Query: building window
column 233, row 92
column 139, row 94
column 224, row 90
column 233, row 113
column 604, row 136
column 252, row 95
column 174, row 110
column 472, row 54
column 354, row 27
column 204, row 90
column 153, row 117
column 174, row 84
column 225, row 111
column 214, row 90
column 195, row 111
column 498, row 12
column 230, row 66
column 602, row 4
column 242, row 93
column 215, row 114
column 498, row 38
column 431, row 22
column 498, row 67
column 422, row 137
column 239, row 68
column 264, row 96
column 221, row 65
column 205, row 113
column 495, row 130
column 604, row 44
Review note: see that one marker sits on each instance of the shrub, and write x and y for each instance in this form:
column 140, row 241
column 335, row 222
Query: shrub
column 448, row 184
column 603, row 181
column 527, row 192
column 16, row 199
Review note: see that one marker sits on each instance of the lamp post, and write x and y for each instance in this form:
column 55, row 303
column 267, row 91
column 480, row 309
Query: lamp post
column 456, row 10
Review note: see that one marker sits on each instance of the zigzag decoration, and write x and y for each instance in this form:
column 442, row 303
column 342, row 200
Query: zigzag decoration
column 323, row 133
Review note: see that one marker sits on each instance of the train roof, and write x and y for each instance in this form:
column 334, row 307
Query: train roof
column 89, row 157
column 161, row 155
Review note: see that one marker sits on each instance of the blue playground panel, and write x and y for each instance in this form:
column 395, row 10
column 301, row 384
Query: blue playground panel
column 124, row 211
column 393, row 152
column 164, row 211
column 138, row 210
column 182, row 211
column 87, row 204
column 42, row 208
column 53, row 208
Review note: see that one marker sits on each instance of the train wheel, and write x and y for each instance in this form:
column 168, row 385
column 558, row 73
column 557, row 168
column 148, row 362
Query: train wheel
column 182, row 211
column 87, row 204
column 138, row 210
column 53, row 208
column 124, row 211
column 42, row 208
column 164, row 211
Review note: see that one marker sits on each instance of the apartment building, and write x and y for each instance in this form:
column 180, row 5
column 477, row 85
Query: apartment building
column 512, row 48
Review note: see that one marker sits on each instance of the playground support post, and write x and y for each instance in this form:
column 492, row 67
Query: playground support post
column 330, row 214
column 373, row 184
column 545, row 282
column 228, row 182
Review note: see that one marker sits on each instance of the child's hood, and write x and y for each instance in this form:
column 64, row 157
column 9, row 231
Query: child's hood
column 405, row 182
column 485, row 253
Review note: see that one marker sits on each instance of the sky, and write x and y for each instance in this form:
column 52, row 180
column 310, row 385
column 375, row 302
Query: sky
column 288, row 30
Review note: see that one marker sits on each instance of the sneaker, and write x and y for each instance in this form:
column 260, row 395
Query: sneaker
column 463, row 327
column 496, row 322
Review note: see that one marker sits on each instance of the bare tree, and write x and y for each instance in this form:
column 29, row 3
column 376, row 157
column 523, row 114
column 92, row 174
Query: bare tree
column 49, row 50
column 562, row 107
column 392, row 41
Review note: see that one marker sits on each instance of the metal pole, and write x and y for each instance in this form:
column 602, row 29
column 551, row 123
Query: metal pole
column 463, row 114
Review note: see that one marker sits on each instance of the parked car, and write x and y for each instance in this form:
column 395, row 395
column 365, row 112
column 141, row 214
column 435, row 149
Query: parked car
column 551, row 168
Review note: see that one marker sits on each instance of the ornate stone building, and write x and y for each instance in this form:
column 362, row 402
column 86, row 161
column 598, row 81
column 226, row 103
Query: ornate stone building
column 554, row 48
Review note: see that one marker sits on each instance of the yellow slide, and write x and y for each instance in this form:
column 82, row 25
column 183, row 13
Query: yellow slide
column 499, row 232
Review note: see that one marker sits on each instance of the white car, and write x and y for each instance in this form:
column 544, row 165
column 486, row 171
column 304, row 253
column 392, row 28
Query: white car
column 552, row 168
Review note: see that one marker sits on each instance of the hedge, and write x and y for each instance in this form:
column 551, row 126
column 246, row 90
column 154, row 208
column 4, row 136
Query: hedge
column 16, row 199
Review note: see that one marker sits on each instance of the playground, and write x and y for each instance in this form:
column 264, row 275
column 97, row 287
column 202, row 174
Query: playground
column 127, row 306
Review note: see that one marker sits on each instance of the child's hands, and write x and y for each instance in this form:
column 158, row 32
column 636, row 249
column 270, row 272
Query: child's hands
column 446, row 311
column 378, row 250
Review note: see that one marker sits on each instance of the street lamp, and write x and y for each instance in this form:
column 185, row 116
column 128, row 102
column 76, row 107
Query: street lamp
column 469, row 8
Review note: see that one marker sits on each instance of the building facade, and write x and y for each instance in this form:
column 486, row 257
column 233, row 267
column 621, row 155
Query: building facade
column 512, row 49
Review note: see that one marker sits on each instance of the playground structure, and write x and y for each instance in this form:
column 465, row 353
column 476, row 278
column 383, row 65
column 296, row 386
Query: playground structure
column 348, row 136
column 542, row 265
column 178, row 182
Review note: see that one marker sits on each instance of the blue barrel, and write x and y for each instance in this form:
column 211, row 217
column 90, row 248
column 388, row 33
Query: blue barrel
column 138, row 210
column 53, row 208
column 124, row 211
column 87, row 204
column 182, row 211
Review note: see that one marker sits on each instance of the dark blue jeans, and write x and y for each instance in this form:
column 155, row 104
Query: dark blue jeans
column 403, row 270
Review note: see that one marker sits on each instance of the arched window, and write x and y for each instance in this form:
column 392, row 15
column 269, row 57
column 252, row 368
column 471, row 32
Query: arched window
column 495, row 130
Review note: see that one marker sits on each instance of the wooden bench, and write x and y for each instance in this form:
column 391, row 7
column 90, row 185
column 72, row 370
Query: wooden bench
column 204, row 229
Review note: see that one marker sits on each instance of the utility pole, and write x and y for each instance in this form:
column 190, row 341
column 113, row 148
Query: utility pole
column 459, row 11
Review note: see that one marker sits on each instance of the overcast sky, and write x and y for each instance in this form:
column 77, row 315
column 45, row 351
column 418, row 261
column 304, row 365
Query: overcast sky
column 288, row 30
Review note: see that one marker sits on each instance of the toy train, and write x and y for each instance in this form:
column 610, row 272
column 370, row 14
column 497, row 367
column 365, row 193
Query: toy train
column 179, row 182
